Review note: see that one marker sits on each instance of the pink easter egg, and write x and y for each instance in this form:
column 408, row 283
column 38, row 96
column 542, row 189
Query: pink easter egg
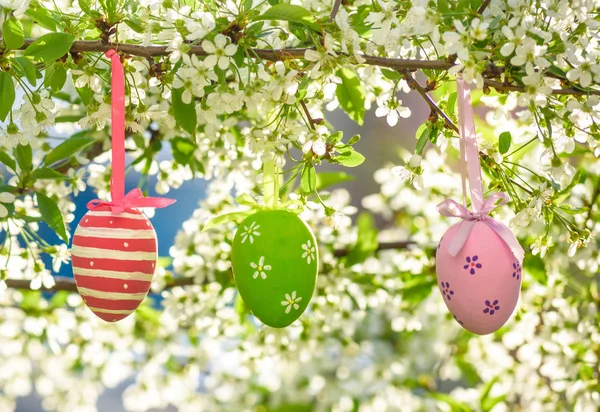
column 481, row 284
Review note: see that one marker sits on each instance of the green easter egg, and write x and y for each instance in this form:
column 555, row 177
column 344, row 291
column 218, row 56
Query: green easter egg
column 275, row 263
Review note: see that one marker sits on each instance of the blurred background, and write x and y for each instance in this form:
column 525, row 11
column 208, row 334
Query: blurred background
column 379, row 143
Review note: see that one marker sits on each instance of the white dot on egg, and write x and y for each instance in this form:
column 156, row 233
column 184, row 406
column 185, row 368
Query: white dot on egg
column 147, row 223
column 125, row 286
column 92, row 263
column 110, row 222
column 126, row 244
column 153, row 265
column 87, row 220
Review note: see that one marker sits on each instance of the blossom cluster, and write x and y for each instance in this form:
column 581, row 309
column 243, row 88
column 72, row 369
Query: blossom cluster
column 240, row 83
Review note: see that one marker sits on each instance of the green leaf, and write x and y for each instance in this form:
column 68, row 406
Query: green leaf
column 354, row 139
column 350, row 158
column 165, row 261
column 8, row 161
column 351, row 95
column 68, row 148
column 12, row 33
column 292, row 407
column 366, row 240
column 423, row 138
column 50, row 47
column 536, row 268
column 185, row 114
column 487, row 402
column 417, row 288
column 335, row 138
column 455, row 405
column 31, row 300
column 55, row 77
column 24, row 156
column 326, row 179
column 391, row 74
column 25, row 68
column 7, row 94
column 85, row 6
column 183, row 149
column 42, row 17
column 504, row 142
column 85, row 94
column 569, row 209
column 47, row 173
column 228, row 217
column 450, row 106
column 52, row 216
column 135, row 24
column 442, row 6
column 291, row 13
column 308, row 182
column 59, row 300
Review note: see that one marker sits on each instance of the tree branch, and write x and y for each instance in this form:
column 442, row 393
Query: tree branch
column 298, row 53
column 334, row 10
column 413, row 84
column 63, row 283
column 311, row 121
column 483, row 6
column 503, row 87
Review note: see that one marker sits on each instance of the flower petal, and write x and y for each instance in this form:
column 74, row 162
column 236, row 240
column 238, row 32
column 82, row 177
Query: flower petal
column 6, row 197
column 210, row 61
column 230, row 49
column 208, row 46
column 220, row 41
column 223, row 62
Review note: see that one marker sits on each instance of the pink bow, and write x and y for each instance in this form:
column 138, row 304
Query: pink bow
column 134, row 199
column 451, row 208
column 469, row 155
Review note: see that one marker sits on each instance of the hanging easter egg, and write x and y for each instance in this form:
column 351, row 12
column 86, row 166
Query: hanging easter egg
column 114, row 259
column 275, row 263
column 481, row 284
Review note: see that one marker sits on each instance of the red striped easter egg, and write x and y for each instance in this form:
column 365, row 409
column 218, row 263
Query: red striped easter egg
column 114, row 258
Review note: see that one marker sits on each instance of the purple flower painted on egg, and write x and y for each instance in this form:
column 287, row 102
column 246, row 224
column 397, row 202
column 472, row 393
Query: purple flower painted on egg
column 517, row 270
column 472, row 264
column 446, row 291
column 491, row 307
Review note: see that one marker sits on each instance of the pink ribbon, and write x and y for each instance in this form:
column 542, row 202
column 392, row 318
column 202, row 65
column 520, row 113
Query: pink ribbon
column 134, row 199
column 469, row 156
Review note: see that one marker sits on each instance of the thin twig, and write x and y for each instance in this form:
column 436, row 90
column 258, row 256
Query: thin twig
column 413, row 84
column 311, row 121
column 334, row 10
column 502, row 87
column 593, row 201
column 63, row 283
column 483, row 6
